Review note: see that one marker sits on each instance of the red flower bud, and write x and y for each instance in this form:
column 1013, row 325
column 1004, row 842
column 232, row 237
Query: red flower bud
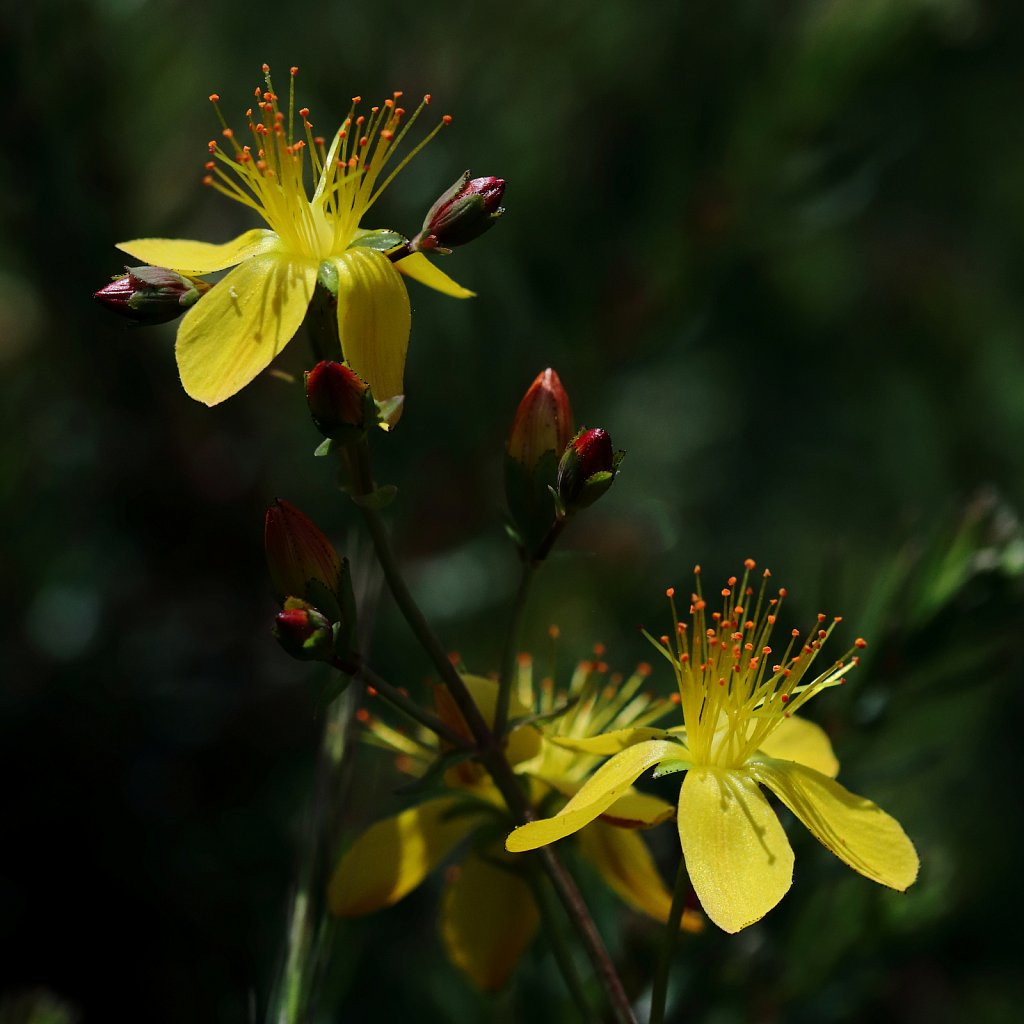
column 299, row 555
column 303, row 631
column 468, row 209
column 338, row 400
column 543, row 421
column 151, row 295
column 587, row 469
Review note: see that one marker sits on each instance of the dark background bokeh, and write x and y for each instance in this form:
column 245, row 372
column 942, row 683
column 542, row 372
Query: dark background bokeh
column 775, row 248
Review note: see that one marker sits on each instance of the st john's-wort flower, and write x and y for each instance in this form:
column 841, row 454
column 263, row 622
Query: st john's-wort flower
column 739, row 733
column 488, row 914
column 225, row 340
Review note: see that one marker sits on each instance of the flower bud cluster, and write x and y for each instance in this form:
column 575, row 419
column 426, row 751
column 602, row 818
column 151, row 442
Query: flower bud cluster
column 468, row 209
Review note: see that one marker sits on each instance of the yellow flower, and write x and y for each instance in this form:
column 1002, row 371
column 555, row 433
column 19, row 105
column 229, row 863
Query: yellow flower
column 488, row 913
column 739, row 733
column 225, row 340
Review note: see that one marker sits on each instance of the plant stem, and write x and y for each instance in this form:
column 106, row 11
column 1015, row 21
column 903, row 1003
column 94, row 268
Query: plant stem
column 490, row 750
column 403, row 703
column 659, row 992
column 559, row 947
column 515, row 625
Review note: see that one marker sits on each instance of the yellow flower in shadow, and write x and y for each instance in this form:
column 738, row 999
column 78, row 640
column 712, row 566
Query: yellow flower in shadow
column 242, row 323
column 739, row 733
column 488, row 912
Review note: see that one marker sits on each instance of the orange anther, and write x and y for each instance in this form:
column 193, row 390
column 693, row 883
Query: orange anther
column 387, row 134
column 426, row 98
column 447, row 119
column 749, row 564
column 304, row 112
column 670, row 592
column 214, row 97
column 293, row 71
column 860, row 642
column 266, row 69
column 228, row 133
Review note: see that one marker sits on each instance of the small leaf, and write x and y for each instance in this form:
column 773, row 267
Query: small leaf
column 323, row 448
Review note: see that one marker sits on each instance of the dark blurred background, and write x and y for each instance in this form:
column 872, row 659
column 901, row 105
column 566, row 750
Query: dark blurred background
column 774, row 248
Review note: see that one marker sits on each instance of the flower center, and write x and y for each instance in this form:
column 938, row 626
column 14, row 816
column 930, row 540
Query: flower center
column 732, row 690
column 269, row 173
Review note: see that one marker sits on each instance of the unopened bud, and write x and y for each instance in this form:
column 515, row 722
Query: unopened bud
column 541, row 429
column 468, row 209
column 542, row 423
column 151, row 295
column 339, row 401
column 587, row 469
column 304, row 631
column 301, row 560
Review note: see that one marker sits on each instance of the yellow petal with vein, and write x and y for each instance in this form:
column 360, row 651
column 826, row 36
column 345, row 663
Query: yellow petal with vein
column 373, row 320
column 737, row 854
column 419, row 268
column 797, row 739
column 236, row 328
column 638, row 810
column 488, row 918
column 189, row 257
column 596, row 795
column 626, row 864
column 393, row 856
column 856, row 830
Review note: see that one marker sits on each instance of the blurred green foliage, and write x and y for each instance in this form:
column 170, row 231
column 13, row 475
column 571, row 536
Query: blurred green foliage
column 774, row 249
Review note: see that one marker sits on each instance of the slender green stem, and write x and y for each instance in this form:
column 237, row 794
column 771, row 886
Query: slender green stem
column 560, row 948
column 659, row 991
column 515, row 625
column 401, row 701
column 508, row 659
column 490, row 751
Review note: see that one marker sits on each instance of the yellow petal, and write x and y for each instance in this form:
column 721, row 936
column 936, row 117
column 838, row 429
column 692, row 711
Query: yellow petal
column 797, row 739
column 638, row 810
column 610, row 742
column 625, row 863
column 853, row 828
column 373, row 320
column 236, row 328
column 393, row 856
column 419, row 268
column 200, row 257
column 488, row 918
column 738, row 857
column 596, row 795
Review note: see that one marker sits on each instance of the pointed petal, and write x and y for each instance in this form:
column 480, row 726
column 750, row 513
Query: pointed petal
column 638, row 810
column 373, row 320
column 393, row 856
column 188, row 257
column 610, row 742
column 739, row 859
column 853, row 828
column 596, row 795
column 419, row 268
column 797, row 739
column 488, row 918
column 236, row 328
column 626, row 864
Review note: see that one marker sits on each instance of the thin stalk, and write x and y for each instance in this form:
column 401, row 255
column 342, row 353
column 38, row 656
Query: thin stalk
column 559, row 947
column 490, row 751
column 659, row 992
column 515, row 625
column 403, row 703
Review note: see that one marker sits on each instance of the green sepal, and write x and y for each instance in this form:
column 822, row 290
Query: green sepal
column 386, row 409
column 529, row 498
column 378, row 499
column 327, row 277
column 325, row 447
column 382, row 241
column 670, row 767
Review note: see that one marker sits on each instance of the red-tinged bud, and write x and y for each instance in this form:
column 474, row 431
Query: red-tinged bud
column 542, row 423
column 339, row 401
column 304, row 631
column 587, row 469
column 151, row 295
column 468, row 209
column 302, row 561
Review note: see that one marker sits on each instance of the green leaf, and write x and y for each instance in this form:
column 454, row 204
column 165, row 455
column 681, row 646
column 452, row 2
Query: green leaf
column 382, row 241
column 670, row 767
